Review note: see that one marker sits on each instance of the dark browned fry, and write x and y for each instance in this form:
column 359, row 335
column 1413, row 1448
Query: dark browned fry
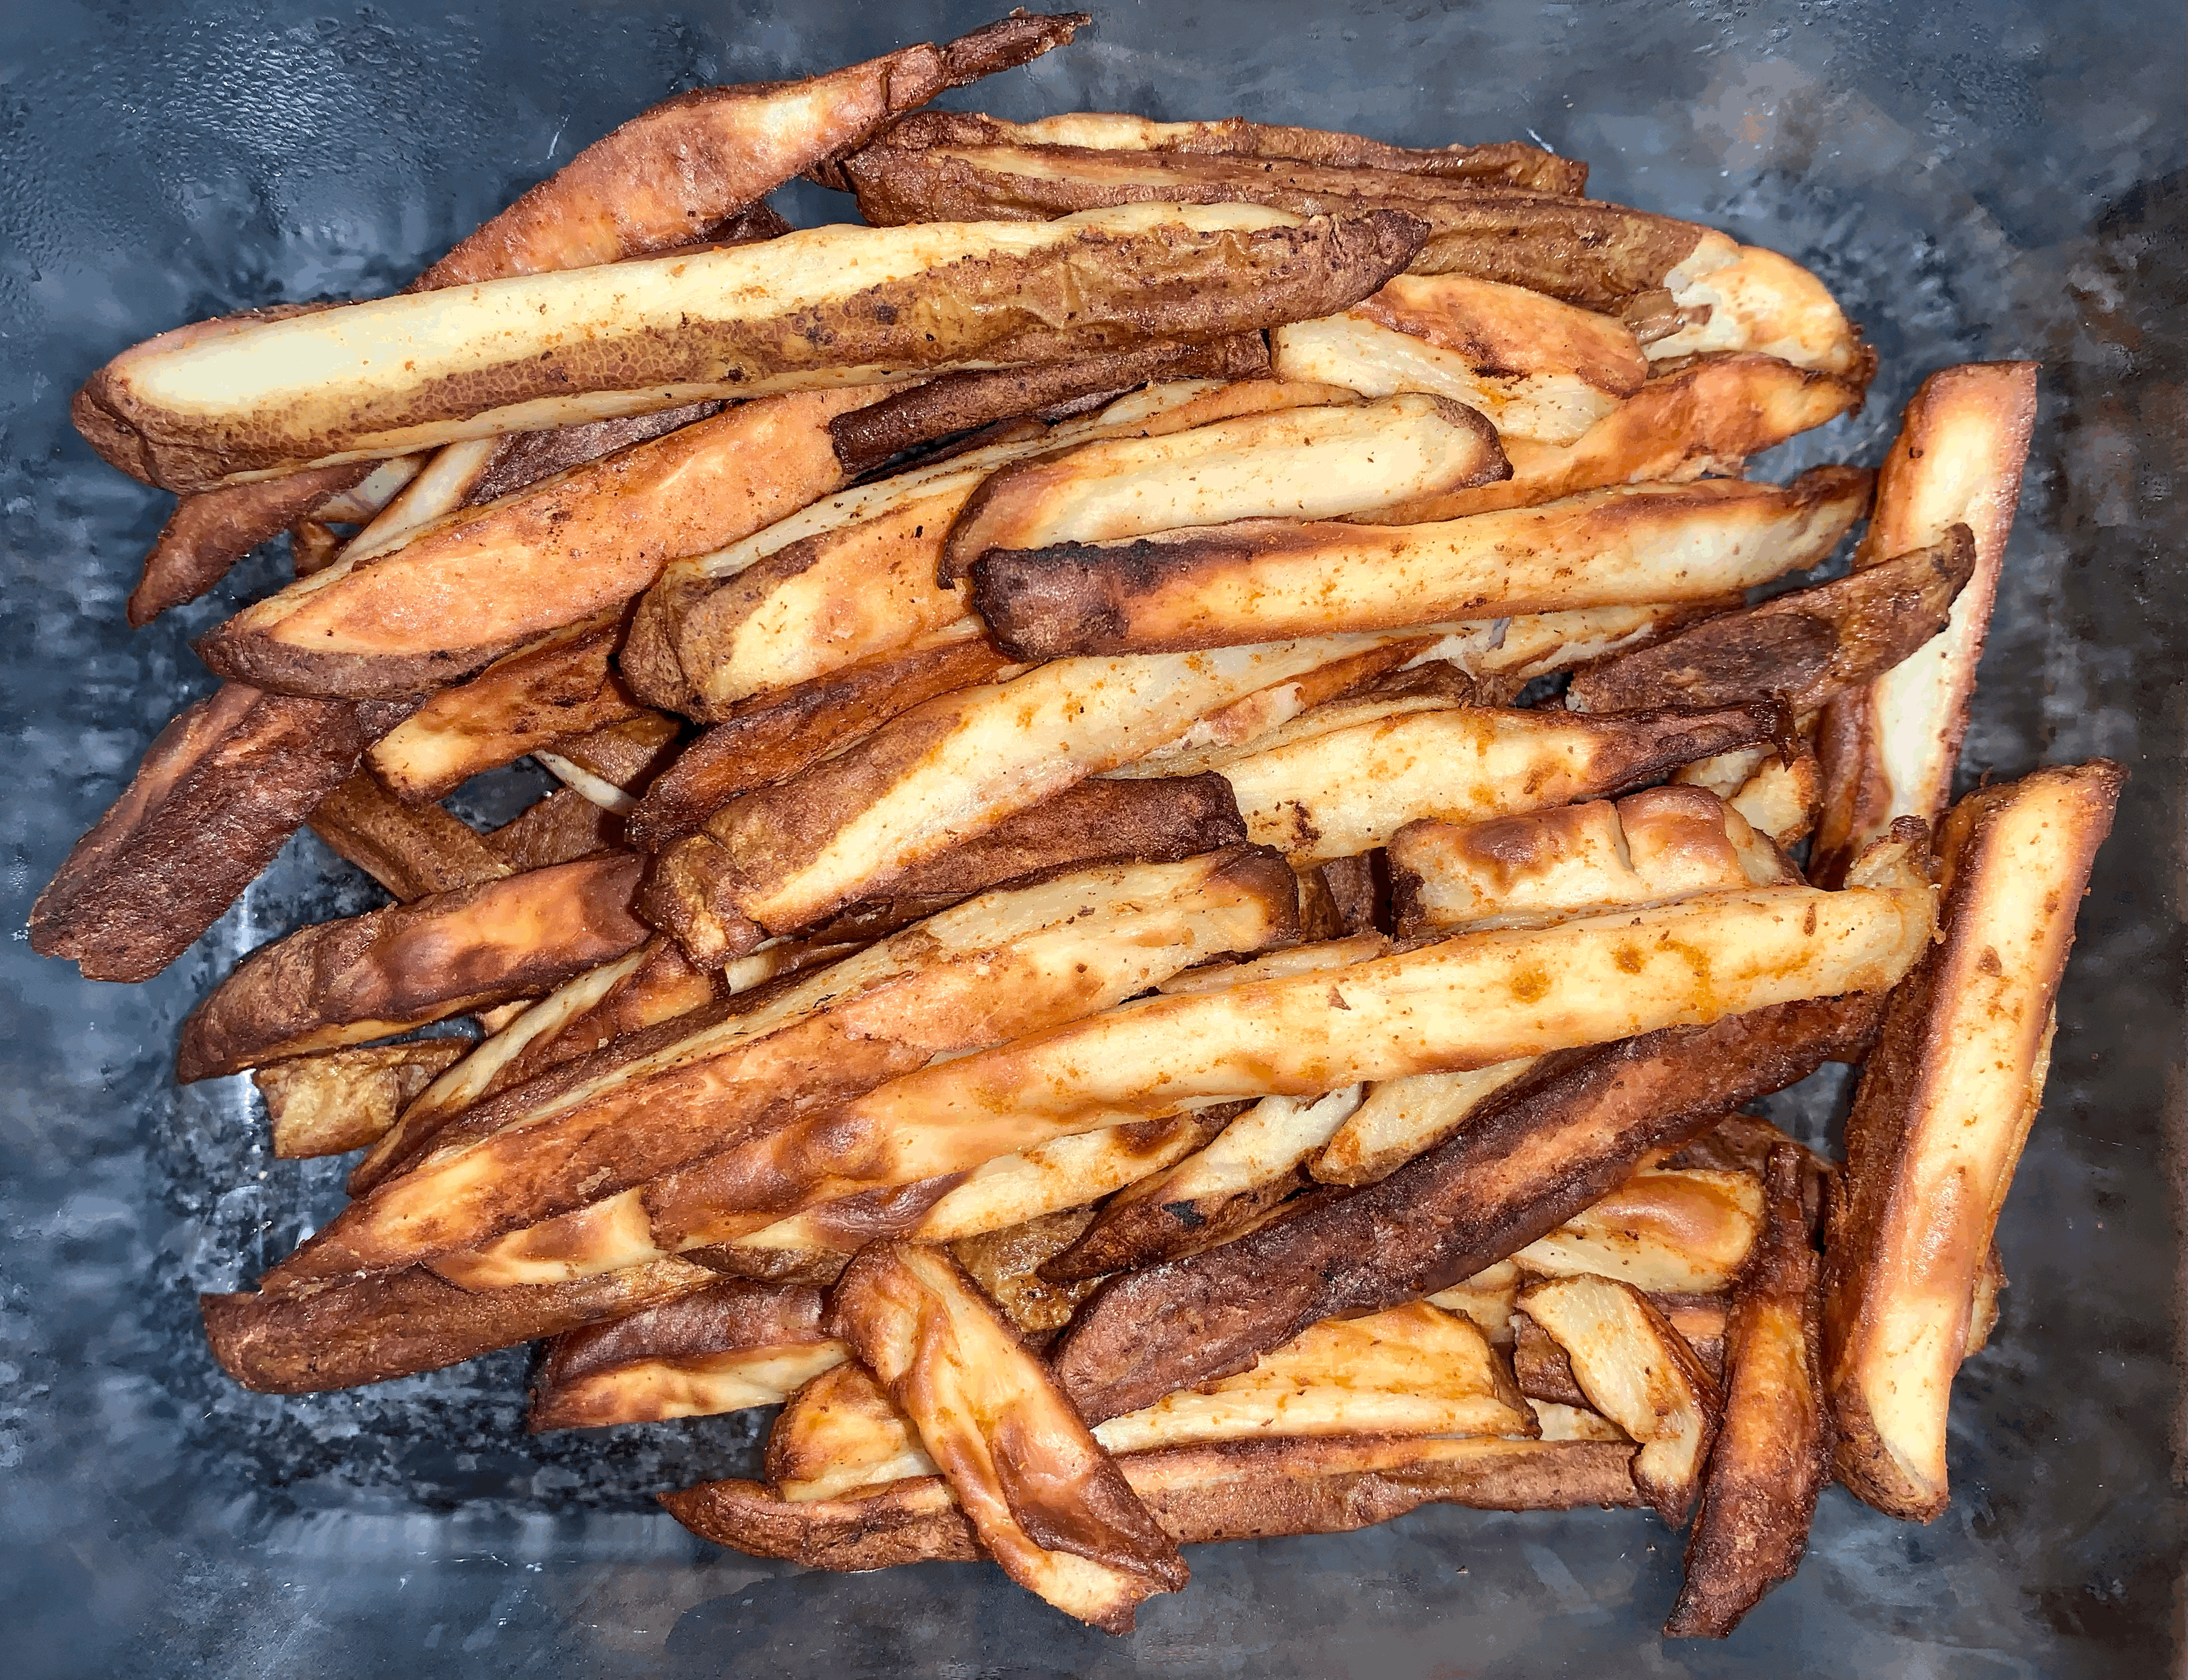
column 217, row 794
column 209, row 532
column 1773, row 1451
column 345, row 1099
column 561, row 828
column 411, row 850
column 447, row 953
column 1536, row 1155
column 524, row 458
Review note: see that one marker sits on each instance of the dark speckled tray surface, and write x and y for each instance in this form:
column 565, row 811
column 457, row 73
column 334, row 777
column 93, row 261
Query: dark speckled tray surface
column 1973, row 180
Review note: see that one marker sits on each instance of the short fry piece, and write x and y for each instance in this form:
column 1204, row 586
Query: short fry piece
column 1639, row 1373
column 1047, row 1503
column 410, row 850
column 345, row 1099
column 1945, row 1104
column 841, row 1433
column 1405, row 1117
column 1663, row 1232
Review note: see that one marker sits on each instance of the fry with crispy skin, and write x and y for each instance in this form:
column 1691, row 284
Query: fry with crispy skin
column 410, row 850
column 346, row 1099
column 1402, row 1118
column 561, row 828
column 1047, row 1503
column 1666, row 1232
column 1772, row 1452
column 1944, row 1105
column 1262, row 579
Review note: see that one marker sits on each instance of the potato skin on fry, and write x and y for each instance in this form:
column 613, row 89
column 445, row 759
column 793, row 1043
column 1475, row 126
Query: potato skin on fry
column 345, row 1099
column 410, row 851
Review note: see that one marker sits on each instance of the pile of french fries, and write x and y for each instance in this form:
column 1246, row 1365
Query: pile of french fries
column 1059, row 960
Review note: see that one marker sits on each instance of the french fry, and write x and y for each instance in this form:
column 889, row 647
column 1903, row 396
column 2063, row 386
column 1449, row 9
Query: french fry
column 1001, row 965
column 1544, row 1151
column 219, row 792
column 346, row 1099
column 1773, row 1451
column 1049, row 1504
column 612, row 765
column 410, row 850
column 365, row 976
column 561, row 828
column 1535, row 367
column 1677, row 1231
column 1263, row 579
column 1807, row 647
column 1890, row 752
column 724, row 1347
column 209, row 532
column 1405, row 1117
column 830, row 307
column 523, row 459
column 1638, row 1372
column 1488, row 1298
column 483, row 582
column 1233, row 1491
column 1320, row 462
column 841, row 1433
column 1007, row 1264
column 1778, row 799
column 1944, row 1105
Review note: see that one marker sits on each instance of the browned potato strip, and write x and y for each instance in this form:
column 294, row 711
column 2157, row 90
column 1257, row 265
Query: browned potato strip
column 523, row 459
column 826, row 307
column 1009, row 963
column 1301, row 463
column 1778, row 799
column 720, row 1349
column 1231, row 1491
column 1006, row 1265
column 559, row 685
column 371, row 1329
column 488, row 580
column 1891, row 750
column 209, row 532
column 1488, row 1299
column 1707, row 415
column 1402, row 1118
column 1261, row 579
column 1685, row 1232
column 1638, row 1372
column 410, row 850
column 1663, row 842
column 1048, row 1503
column 1540, row 1366
column 1944, row 1105
column 218, row 793
column 1773, row 1451
column 1542, row 1152
column 613, row 765
column 447, row 953
column 561, row 828
column 346, row 1099
column 841, row 1433
column 1807, row 647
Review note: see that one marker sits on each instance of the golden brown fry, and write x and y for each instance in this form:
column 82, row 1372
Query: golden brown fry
column 346, row 1099
column 1890, row 752
column 1638, row 1372
column 1944, row 1105
column 367, row 976
column 1772, row 1452
column 483, row 582
column 827, row 307
column 1778, row 799
column 841, row 1433
column 410, row 850
column 1007, row 1264
column 1261, row 579
column 1402, row 1118
column 1663, row 842
column 218, row 793
column 1539, row 1155
column 1680, row 1232
column 208, row 533
column 1048, row 1503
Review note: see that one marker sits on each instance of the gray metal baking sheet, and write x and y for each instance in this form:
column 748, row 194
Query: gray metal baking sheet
column 1975, row 180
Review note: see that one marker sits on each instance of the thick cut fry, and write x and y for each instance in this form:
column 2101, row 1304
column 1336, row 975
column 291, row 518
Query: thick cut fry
column 777, row 735
column 827, row 307
column 1535, row 367
column 1006, row 1265
column 561, row 828
column 1891, row 750
column 1302, row 463
column 523, row 459
column 1234, row 1491
column 1660, row 844
column 483, row 582
column 1663, row 1232
column 447, row 953
column 1342, row 792
column 410, row 850
column 870, row 437
column 1638, row 1372
column 1402, row 1118
column 1048, row 1503
column 1705, row 416
column 953, row 768
column 1469, row 1001
column 1501, row 163
column 374, row 1328
column 346, row 1099
column 218, row 793
column 1487, row 1298
column 1003, row 965
column 558, row 685
column 1808, row 646
column 1542, row 1152
column 720, row 1349
column 1944, row 1106
column 841, row 1433
column 1778, row 799
column 1772, row 1452
column 1158, row 1217
column 1260, row 580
